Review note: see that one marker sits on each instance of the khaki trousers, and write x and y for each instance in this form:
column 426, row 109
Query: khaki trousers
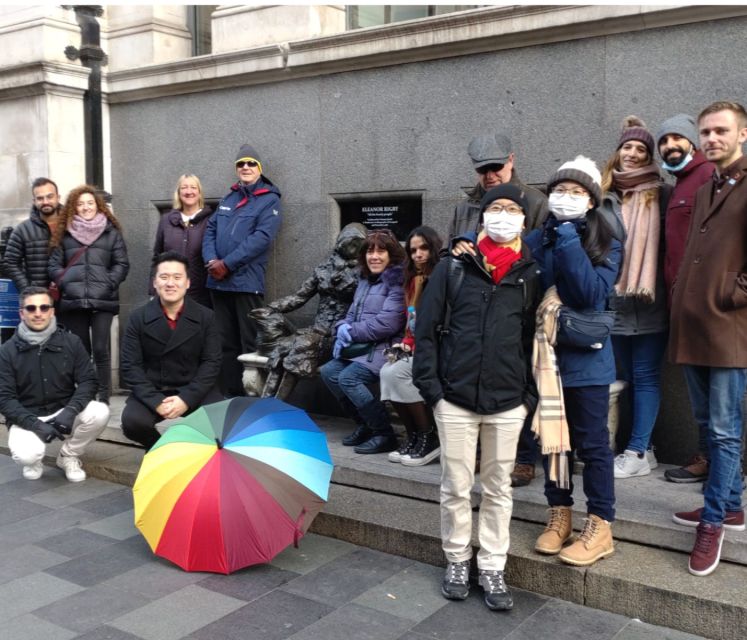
column 27, row 448
column 458, row 430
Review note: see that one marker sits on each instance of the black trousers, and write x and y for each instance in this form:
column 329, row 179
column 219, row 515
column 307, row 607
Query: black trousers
column 94, row 330
column 139, row 422
column 238, row 334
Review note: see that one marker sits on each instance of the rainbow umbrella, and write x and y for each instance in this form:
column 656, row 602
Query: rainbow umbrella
column 232, row 484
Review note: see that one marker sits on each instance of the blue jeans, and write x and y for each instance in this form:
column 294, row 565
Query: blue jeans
column 639, row 360
column 586, row 409
column 529, row 449
column 348, row 383
column 716, row 398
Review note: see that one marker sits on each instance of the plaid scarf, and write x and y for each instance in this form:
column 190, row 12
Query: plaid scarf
column 549, row 423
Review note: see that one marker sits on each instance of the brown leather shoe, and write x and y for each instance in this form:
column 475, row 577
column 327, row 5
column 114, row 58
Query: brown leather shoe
column 594, row 543
column 522, row 475
column 559, row 529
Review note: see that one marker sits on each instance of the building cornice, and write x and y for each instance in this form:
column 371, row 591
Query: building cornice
column 462, row 33
column 36, row 78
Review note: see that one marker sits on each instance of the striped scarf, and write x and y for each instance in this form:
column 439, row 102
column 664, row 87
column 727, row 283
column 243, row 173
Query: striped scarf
column 549, row 423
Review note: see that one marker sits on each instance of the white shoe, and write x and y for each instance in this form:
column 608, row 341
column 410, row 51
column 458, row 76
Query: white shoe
column 629, row 465
column 652, row 461
column 72, row 468
column 33, row 471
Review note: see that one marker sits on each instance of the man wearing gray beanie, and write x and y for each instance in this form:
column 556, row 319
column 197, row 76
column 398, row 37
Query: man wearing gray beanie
column 677, row 140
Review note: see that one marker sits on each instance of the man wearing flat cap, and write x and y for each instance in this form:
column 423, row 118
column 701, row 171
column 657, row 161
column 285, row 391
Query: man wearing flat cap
column 235, row 249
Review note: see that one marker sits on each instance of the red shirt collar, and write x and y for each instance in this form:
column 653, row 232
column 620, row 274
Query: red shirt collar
column 169, row 321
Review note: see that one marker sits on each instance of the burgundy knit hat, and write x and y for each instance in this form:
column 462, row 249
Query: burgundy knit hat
column 634, row 128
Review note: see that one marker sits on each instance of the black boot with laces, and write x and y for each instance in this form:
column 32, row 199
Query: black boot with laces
column 427, row 448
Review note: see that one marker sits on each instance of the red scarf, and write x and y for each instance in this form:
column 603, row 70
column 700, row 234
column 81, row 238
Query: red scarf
column 498, row 258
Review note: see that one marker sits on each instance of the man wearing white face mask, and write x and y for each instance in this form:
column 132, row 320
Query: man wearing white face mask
column 475, row 374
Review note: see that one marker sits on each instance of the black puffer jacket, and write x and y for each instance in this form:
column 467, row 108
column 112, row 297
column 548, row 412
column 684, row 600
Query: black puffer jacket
column 93, row 281
column 27, row 253
column 483, row 363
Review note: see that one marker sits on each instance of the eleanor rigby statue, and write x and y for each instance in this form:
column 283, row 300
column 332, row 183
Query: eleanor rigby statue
column 298, row 353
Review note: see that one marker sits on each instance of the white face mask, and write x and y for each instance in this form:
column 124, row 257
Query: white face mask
column 502, row 227
column 566, row 207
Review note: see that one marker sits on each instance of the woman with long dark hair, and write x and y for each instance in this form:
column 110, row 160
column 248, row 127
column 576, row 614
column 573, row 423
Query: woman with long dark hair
column 88, row 262
column 373, row 322
column 580, row 260
column 421, row 445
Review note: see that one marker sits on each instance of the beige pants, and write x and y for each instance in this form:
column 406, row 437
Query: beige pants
column 27, row 448
column 458, row 430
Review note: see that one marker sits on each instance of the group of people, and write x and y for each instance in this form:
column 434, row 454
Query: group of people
column 500, row 345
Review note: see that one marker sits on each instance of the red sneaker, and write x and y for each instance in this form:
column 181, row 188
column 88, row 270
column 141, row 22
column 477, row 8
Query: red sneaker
column 734, row 520
column 707, row 550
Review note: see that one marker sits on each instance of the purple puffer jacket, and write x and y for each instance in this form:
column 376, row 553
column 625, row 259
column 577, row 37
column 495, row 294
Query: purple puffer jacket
column 377, row 314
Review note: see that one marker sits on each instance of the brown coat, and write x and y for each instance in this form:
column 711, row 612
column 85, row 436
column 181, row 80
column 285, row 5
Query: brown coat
column 709, row 305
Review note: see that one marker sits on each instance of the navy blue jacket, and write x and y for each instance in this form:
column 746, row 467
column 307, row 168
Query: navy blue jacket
column 581, row 285
column 240, row 233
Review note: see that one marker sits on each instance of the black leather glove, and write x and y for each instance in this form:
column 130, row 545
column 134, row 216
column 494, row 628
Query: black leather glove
column 46, row 431
column 64, row 420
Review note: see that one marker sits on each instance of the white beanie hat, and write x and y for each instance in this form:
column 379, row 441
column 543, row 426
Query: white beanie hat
column 582, row 170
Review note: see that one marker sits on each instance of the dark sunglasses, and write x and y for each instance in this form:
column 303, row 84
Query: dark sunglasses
column 246, row 163
column 31, row 308
column 495, row 168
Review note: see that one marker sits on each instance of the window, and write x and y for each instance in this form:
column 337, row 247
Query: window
column 199, row 25
column 360, row 16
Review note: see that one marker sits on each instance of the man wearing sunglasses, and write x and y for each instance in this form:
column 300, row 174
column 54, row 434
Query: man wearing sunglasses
column 47, row 390
column 235, row 249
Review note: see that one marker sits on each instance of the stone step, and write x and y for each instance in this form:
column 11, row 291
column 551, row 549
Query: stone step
column 638, row 581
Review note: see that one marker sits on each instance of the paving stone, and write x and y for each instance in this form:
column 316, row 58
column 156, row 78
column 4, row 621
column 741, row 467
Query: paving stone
column 313, row 552
column 71, row 493
column 120, row 526
column 25, row 594
column 75, row 542
column 275, row 616
column 21, row 487
column 355, row 621
column 107, row 633
column 570, row 622
column 25, row 560
column 13, row 510
column 637, row 630
column 31, row 627
column 178, row 614
column 110, row 504
column 250, row 583
column 472, row 620
column 154, row 579
column 413, row 593
column 105, row 563
column 346, row 577
column 31, row 530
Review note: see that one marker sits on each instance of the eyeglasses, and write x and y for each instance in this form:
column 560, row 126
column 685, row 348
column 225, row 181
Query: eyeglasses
column 247, row 163
column 513, row 209
column 490, row 168
column 576, row 192
column 31, row 308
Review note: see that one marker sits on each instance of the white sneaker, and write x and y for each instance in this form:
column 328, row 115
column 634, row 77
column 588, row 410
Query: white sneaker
column 629, row 465
column 33, row 471
column 652, row 461
column 72, row 468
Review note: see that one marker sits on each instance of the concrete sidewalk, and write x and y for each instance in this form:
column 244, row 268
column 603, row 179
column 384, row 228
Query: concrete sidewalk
column 72, row 565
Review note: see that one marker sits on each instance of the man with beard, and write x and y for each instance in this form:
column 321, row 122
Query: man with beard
column 677, row 142
column 27, row 252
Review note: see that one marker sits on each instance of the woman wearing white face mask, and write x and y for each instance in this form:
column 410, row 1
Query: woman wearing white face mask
column 580, row 260
column 474, row 330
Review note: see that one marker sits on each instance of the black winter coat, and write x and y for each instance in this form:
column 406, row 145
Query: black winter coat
column 93, row 281
column 174, row 235
column 155, row 358
column 40, row 381
column 483, row 362
column 27, row 253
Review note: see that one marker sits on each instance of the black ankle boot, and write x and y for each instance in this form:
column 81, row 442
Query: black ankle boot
column 426, row 449
column 378, row 444
column 360, row 435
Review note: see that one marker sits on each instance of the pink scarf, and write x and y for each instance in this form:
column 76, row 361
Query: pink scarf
column 87, row 231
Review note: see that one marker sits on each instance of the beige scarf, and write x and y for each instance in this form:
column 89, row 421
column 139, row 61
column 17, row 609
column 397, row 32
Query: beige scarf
column 549, row 423
column 640, row 214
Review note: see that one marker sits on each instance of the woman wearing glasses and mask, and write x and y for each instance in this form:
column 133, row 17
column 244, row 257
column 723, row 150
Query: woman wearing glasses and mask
column 580, row 260
column 374, row 322
column 235, row 249
column 472, row 366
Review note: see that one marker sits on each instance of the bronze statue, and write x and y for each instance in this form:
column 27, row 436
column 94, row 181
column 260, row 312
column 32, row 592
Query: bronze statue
column 297, row 353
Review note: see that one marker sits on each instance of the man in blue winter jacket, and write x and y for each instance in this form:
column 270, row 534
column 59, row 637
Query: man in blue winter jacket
column 235, row 249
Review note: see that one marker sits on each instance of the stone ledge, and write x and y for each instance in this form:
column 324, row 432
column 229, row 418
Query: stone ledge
column 37, row 78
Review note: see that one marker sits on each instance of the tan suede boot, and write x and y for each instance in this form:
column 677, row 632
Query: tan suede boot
column 557, row 531
column 594, row 543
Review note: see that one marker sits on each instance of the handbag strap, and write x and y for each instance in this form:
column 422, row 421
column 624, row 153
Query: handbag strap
column 73, row 260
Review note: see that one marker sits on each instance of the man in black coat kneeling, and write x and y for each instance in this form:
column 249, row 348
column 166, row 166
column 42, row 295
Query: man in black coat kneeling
column 171, row 354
